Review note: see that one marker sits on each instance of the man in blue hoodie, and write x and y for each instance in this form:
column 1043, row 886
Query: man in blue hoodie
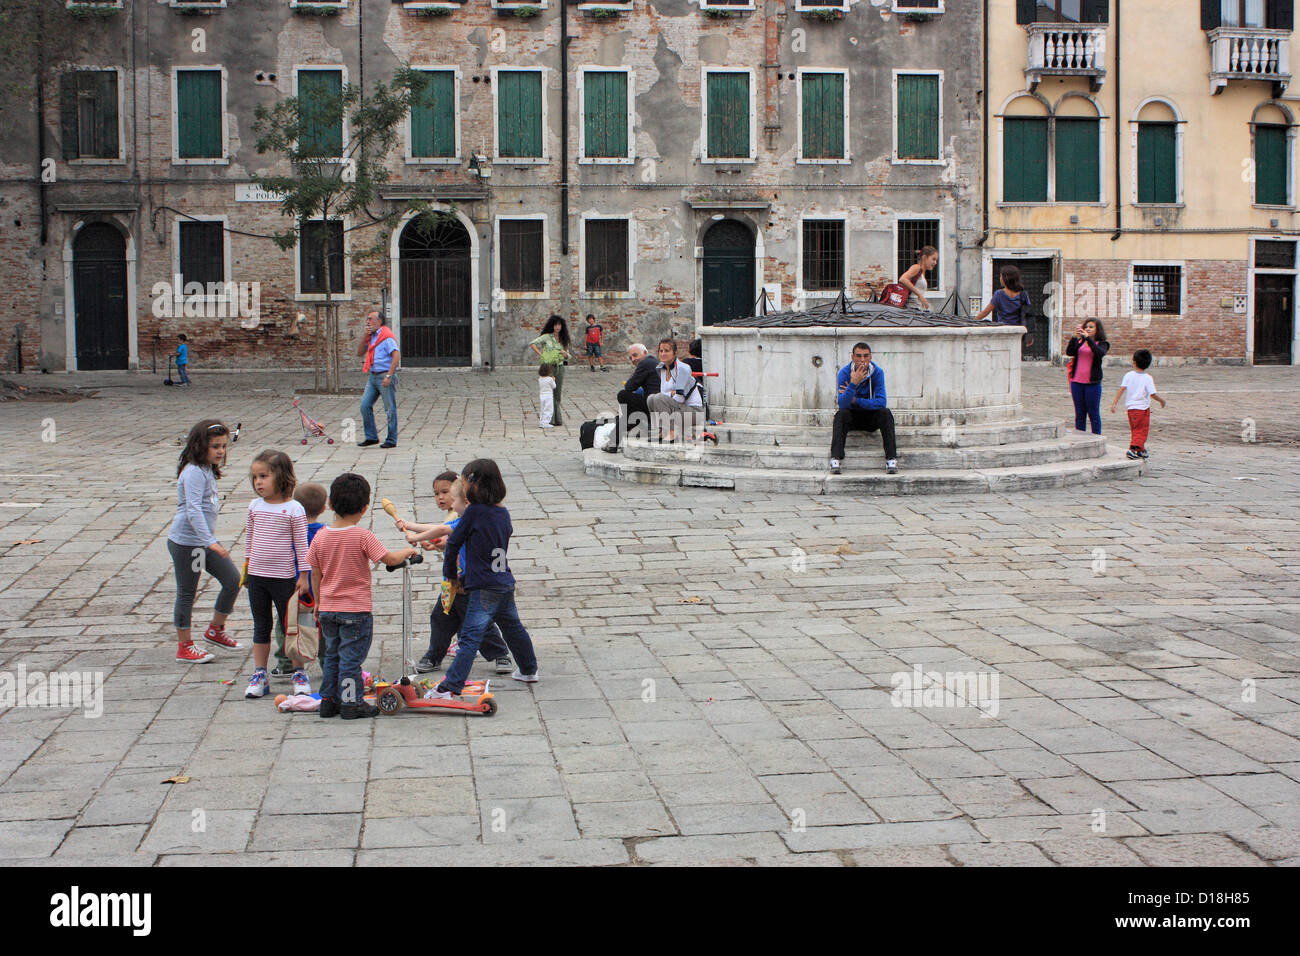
column 862, row 401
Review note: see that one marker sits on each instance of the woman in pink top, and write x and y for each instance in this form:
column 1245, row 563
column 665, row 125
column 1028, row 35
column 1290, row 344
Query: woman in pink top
column 1086, row 350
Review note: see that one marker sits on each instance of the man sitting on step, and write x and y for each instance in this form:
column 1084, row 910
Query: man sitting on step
column 862, row 401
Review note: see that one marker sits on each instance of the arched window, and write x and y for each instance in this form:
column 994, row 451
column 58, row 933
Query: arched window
column 1157, row 146
column 1024, row 150
column 1272, row 140
column 1078, row 151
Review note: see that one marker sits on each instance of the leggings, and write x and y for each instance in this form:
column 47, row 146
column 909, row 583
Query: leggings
column 1087, row 405
column 262, row 594
column 189, row 563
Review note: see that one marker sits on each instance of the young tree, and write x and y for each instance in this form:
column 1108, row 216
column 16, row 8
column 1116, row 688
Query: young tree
column 333, row 176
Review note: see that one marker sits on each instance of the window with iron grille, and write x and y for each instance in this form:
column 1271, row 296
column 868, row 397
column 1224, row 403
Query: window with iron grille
column 521, row 250
column 823, row 255
column 913, row 235
column 1275, row 255
column 320, row 249
column 1157, row 290
column 606, row 252
column 202, row 253
column 88, row 103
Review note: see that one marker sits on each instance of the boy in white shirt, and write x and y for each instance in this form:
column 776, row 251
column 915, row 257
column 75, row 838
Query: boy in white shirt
column 546, row 395
column 1139, row 389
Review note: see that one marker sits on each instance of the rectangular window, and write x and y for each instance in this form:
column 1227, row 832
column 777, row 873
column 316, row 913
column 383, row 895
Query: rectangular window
column 1272, row 166
column 202, row 253
column 1274, row 255
column 604, row 107
column 1024, row 159
column 822, row 103
column 320, row 249
column 433, row 117
column 823, row 255
column 606, row 253
column 1157, row 290
column 1062, row 11
column 320, row 112
column 198, row 114
column 914, row 234
column 1078, row 165
column 522, row 250
column 917, row 116
column 519, row 114
column 88, row 101
column 1157, row 172
column 727, row 107
column 1243, row 13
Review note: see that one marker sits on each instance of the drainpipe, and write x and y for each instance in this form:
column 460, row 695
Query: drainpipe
column 988, row 105
column 1119, row 126
column 42, row 185
column 564, row 127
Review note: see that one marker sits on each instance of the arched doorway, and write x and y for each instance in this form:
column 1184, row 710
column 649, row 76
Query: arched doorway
column 436, row 295
column 728, row 271
column 99, row 298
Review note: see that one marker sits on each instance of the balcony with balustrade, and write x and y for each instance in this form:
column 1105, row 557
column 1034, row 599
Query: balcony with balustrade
column 1249, row 53
column 1066, row 49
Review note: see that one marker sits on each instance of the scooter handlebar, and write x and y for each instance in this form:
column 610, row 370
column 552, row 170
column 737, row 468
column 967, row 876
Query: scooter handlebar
column 413, row 559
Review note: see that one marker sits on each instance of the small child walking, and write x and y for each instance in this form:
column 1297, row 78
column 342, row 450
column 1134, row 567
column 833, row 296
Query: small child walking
column 1011, row 303
column 1139, row 388
column 546, row 394
column 192, row 541
column 448, row 615
column 183, row 358
column 312, row 497
column 484, row 531
column 340, row 557
column 276, row 549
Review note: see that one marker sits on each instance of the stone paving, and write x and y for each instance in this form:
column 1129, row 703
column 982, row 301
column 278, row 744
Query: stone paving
column 717, row 668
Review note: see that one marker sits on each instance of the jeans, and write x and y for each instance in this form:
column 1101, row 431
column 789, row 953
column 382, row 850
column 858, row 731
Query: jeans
column 375, row 388
column 185, row 379
column 184, row 559
column 483, row 608
column 263, row 593
column 346, row 637
column 1087, row 405
column 443, row 628
column 863, row 420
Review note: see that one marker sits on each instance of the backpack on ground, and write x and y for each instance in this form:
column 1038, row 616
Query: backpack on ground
column 587, row 432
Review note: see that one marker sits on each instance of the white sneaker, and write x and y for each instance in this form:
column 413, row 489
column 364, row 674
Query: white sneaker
column 835, row 466
column 891, row 466
column 434, row 694
column 258, row 685
column 301, row 683
column 526, row 678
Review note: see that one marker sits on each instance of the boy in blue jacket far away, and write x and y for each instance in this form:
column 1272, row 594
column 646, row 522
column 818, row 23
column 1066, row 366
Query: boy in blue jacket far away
column 863, row 407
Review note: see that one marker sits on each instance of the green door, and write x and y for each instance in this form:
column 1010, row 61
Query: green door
column 728, row 272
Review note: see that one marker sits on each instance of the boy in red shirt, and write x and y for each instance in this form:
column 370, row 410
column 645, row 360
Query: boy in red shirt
column 595, row 339
column 340, row 558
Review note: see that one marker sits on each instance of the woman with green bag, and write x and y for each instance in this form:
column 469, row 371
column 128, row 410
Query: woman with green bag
column 552, row 348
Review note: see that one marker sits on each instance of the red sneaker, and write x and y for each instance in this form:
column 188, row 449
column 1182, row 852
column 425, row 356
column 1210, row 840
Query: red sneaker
column 189, row 654
column 218, row 636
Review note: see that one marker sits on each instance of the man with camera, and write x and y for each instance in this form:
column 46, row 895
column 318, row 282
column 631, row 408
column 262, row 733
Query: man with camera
column 862, row 407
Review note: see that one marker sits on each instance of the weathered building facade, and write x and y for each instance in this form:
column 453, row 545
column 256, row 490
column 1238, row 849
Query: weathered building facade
column 661, row 170
column 1141, row 170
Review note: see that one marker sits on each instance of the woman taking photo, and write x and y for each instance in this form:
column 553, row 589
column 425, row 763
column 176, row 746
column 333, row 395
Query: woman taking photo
column 1087, row 348
column 552, row 348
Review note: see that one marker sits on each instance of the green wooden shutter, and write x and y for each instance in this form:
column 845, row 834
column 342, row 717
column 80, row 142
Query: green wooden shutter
column 1078, row 169
column 1157, row 175
column 1024, row 159
column 1272, row 170
column 68, row 114
column 604, row 104
column 433, row 117
column 918, row 117
column 823, row 116
column 728, row 106
column 198, row 114
column 322, row 126
column 106, row 111
column 519, row 113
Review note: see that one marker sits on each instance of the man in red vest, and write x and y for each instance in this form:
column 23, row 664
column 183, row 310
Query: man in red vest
column 383, row 358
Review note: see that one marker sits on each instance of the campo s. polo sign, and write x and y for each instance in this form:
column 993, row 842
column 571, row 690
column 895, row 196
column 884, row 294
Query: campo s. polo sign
column 251, row 192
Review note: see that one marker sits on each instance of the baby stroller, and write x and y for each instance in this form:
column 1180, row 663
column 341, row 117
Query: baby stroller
column 310, row 427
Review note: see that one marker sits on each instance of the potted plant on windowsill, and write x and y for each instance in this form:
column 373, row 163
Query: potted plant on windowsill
column 93, row 11
column 317, row 10
column 722, row 13
column 601, row 13
column 519, row 12
column 825, row 14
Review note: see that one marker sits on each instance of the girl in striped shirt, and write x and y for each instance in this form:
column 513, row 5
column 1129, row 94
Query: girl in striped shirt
column 276, row 550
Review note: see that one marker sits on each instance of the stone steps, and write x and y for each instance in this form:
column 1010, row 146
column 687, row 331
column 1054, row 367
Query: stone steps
column 869, row 456
column 934, row 436
column 1111, row 465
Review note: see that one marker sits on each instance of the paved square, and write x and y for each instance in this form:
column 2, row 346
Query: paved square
column 717, row 668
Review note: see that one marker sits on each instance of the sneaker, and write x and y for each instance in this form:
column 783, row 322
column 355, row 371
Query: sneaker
column 835, row 466
column 891, row 467
column 218, row 636
column 301, row 685
column 434, row 694
column 426, row 664
column 329, row 707
column 604, row 368
column 1131, row 455
column 526, row 678
column 353, row 711
column 258, row 685
column 1143, row 454
column 283, row 671
column 504, row 665
column 189, row 654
